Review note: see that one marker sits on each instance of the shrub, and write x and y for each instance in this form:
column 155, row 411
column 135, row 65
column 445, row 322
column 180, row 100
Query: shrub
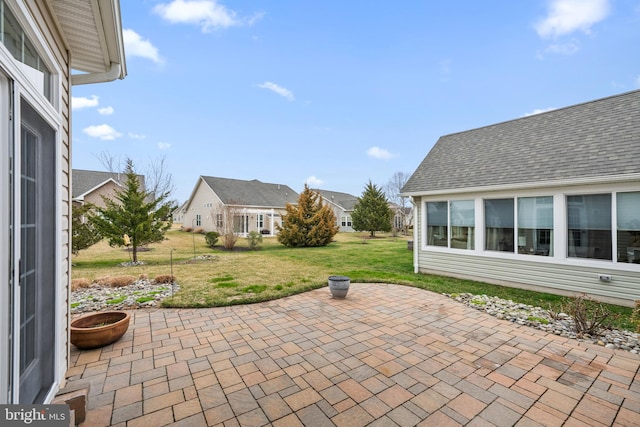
column 80, row 283
column 120, row 281
column 199, row 230
column 589, row 315
column 115, row 282
column 254, row 239
column 211, row 238
column 635, row 316
column 165, row 278
column 230, row 240
column 187, row 229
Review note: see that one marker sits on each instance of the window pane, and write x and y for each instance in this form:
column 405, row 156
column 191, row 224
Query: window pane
column 462, row 224
column 589, row 226
column 535, row 225
column 437, row 224
column 628, row 205
column 499, row 225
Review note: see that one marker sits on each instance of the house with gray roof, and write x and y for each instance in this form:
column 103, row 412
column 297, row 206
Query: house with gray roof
column 91, row 186
column 549, row 201
column 342, row 205
column 215, row 203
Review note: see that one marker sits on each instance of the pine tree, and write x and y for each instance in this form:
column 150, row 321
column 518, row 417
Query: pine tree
column 83, row 233
column 130, row 219
column 308, row 224
column 371, row 212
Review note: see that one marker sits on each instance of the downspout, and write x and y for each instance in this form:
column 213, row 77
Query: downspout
column 416, row 267
column 88, row 78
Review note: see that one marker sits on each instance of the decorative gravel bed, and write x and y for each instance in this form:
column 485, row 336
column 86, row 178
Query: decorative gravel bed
column 142, row 293
column 556, row 323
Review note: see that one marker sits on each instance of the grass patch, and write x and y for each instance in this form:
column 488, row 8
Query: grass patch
column 254, row 289
column 221, row 279
column 277, row 271
column 540, row 320
column 227, row 285
column 117, row 300
column 142, row 300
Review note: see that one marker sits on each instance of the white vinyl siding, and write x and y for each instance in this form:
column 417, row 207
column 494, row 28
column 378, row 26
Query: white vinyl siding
column 545, row 276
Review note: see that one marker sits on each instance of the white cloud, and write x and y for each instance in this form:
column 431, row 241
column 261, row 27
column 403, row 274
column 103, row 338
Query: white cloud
column 379, row 153
column 136, row 135
column 163, row 146
column 286, row 93
column 314, row 182
column 135, row 45
column 106, row 111
column 208, row 14
column 568, row 48
column 103, row 132
column 568, row 16
column 78, row 103
column 538, row 111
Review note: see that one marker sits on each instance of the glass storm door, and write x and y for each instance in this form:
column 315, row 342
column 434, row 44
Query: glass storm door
column 37, row 282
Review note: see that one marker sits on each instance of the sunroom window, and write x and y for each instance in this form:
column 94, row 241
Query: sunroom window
column 499, row 224
column 535, row 225
column 628, row 207
column 589, row 226
column 437, row 230
column 462, row 218
column 13, row 37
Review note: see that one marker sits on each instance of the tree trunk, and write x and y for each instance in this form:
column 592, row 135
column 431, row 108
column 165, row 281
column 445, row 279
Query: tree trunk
column 134, row 253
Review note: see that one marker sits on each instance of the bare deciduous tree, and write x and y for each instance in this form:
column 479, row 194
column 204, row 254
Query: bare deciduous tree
column 392, row 191
column 158, row 179
column 110, row 162
column 226, row 217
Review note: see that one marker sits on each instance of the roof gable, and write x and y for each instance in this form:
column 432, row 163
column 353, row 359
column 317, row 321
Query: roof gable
column 84, row 181
column 596, row 139
column 251, row 193
column 343, row 200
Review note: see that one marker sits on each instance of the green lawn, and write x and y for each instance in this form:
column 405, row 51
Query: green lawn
column 243, row 276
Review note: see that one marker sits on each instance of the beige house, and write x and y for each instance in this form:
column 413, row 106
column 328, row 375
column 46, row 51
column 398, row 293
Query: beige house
column 40, row 43
column 342, row 205
column 221, row 204
column 549, row 202
column 92, row 186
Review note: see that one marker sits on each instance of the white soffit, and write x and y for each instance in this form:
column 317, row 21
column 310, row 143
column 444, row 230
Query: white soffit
column 93, row 32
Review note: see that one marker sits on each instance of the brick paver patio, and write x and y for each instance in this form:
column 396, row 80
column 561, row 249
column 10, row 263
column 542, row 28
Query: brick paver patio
column 387, row 355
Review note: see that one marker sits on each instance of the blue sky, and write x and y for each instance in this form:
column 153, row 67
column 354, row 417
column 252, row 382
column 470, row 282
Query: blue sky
column 337, row 93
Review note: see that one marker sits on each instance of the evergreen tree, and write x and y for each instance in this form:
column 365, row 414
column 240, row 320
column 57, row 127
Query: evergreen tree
column 308, row 224
column 133, row 218
column 83, row 233
column 371, row 212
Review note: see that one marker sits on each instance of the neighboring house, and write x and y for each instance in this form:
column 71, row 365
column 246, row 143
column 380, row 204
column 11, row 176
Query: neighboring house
column 402, row 217
column 92, row 186
column 40, row 42
column 178, row 214
column 249, row 205
column 342, row 205
column 549, row 201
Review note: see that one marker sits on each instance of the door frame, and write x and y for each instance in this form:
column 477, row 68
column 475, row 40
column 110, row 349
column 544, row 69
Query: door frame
column 14, row 86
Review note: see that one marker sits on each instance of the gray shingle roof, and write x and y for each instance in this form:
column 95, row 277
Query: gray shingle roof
column 83, row 180
column 594, row 139
column 251, row 193
column 344, row 200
